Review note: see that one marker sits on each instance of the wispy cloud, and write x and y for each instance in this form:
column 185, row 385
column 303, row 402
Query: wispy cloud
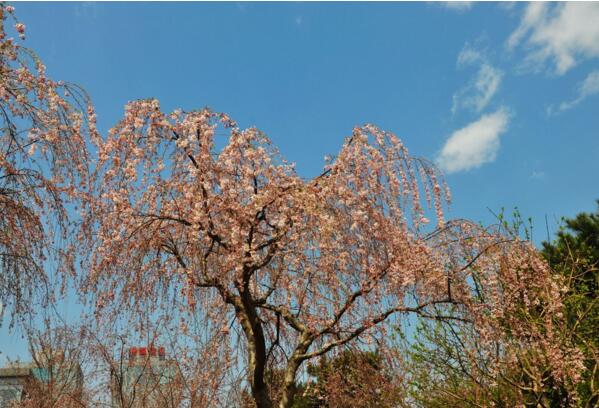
column 481, row 89
column 458, row 5
column 469, row 55
column 588, row 87
column 564, row 33
column 475, row 144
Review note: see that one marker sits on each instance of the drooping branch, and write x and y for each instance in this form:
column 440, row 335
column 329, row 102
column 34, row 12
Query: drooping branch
column 373, row 322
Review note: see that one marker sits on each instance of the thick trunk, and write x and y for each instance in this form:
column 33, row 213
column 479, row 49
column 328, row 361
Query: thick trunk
column 261, row 397
column 293, row 365
column 289, row 384
column 252, row 327
column 257, row 366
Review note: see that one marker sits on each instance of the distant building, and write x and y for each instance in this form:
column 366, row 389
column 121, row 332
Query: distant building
column 48, row 379
column 13, row 382
column 146, row 380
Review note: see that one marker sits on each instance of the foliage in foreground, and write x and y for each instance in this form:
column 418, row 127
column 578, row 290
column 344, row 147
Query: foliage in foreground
column 353, row 378
column 442, row 374
column 574, row 254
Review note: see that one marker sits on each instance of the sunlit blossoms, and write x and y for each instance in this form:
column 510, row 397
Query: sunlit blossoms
column 42, row 160
column 189, row 202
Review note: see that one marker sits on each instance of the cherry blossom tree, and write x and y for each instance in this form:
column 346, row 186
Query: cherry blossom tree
column 188, row 208
column 190, row 219
column 43, row 125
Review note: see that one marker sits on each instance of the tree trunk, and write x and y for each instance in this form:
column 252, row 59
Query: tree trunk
column 252, row 327
column 288, row 390
column 257, row 364
column 293, row 365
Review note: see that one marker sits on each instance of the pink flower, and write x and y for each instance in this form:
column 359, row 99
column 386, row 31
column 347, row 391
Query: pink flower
column 10, row 9
column 20, row 28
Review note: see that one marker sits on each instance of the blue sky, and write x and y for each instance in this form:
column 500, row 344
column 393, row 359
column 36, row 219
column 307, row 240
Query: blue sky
column 500, row 79
column 504, row 97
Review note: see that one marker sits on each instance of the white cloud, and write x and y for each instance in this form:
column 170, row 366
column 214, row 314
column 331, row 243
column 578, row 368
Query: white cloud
column 479, row 92
column 475, row 144
column 588, row 87
column 458, row 5
column 469, row 55
column 477, row 95
column 565, row 33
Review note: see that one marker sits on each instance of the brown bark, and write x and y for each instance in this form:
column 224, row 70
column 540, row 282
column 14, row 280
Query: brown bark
column 245, row 311
column 293, row 365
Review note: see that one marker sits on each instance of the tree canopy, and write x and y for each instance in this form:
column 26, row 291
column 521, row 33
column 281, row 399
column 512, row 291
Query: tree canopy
column 187, row 223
